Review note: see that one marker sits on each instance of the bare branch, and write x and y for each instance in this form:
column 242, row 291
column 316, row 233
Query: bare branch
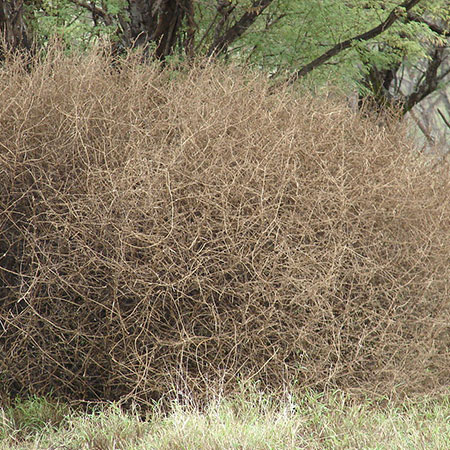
column 446, row 121
column 94, row 10
column 422, row 128
column 240, row 27
column 443, row 75
column 431, row 25
column 430, row 80
column 225, row 8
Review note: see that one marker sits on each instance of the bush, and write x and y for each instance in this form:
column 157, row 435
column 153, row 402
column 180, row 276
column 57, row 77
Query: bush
column 189, row 229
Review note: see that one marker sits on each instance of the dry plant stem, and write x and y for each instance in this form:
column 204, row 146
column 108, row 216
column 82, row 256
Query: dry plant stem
column 161, row 227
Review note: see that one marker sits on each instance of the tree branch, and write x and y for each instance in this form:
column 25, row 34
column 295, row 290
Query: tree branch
column 95, row 10
column 423, row 129
column 431, row 25
column 443, row 75
column 221, row 43
column 391, row 19
column 429, row 83
column 446, row 121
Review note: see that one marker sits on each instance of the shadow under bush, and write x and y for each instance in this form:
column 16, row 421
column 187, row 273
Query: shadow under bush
column 191, row 230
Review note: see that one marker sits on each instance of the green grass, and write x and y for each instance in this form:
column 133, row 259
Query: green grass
column 249, row 421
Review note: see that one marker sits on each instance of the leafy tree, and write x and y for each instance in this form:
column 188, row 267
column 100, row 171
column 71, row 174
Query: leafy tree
column 358, row 45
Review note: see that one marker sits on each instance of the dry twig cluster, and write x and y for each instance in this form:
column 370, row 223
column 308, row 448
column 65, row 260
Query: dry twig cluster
column 161, row 227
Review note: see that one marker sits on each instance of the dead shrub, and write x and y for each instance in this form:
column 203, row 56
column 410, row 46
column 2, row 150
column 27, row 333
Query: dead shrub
column 163, row 227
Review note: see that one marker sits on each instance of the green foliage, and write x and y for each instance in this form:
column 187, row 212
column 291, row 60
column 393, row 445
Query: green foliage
column 77, row 26
column 293, row 33
column 285, row 37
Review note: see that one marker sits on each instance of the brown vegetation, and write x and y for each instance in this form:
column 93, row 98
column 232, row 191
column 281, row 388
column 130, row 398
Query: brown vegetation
column 161, row 227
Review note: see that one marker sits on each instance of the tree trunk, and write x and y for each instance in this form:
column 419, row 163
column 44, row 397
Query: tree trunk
column 157, row 21
column 12, row 26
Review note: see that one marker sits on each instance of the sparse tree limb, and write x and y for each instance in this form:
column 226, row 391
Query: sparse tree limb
column 224, row 8
column 222, row 42
column 446, row 121
column 443, row 74
column 429, row 82
column 422, row 128
column 94, row 10
column 412, row 17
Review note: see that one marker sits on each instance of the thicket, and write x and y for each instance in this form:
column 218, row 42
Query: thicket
column 188, row 228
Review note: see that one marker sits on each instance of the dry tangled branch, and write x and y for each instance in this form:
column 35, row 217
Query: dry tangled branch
column 161, row 227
